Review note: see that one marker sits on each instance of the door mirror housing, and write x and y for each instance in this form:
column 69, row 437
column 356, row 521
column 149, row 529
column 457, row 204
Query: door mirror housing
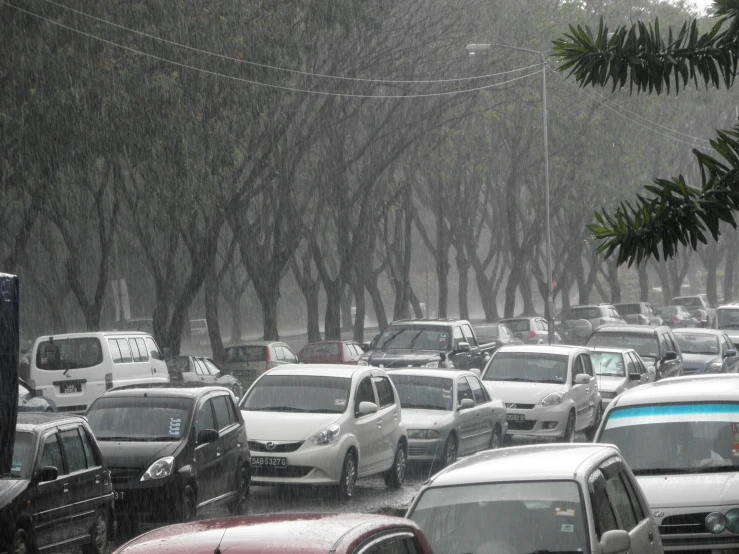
column 670, row 355
column 582, row 379
column 466, row 404
column 366, row 408
column 46, row 473
column 366, row 346
column 615, row 542
column 634, row 376
column 463, row 346
column 207, row 435
column 729, row 353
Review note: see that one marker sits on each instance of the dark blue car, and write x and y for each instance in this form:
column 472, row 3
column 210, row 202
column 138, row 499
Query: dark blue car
column 707, row 351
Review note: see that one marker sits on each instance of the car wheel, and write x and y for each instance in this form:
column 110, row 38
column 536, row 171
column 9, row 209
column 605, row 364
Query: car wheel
column 495, row 439
column 569, row 434
column 449, row 454
column 20, row 542
column 395, row 476
column 98, row 535
column 188, row 508
column 348, row 476
column 127, row 528
column 590, row 434
column 243, row 482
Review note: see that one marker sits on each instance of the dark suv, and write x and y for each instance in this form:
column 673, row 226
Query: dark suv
column 171, row 451
column 657, row 346
column 58, row 493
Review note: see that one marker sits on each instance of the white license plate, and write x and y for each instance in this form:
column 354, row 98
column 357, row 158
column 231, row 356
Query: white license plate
column 69, row 388
column 268, row 461
column 515, row 417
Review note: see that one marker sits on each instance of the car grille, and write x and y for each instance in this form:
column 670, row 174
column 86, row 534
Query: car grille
column 520, row 406
column 80, row 408
column 526, row 425
column 684, row 524
column 261, row 446
column 288, row 472
column 416, row 450
column 121, row 475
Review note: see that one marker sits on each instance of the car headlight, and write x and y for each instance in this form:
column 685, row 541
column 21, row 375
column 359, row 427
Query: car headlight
column 432, row 365
column 732, row 520
column 329, row 435
column 160, row 469
column 423, row 434
column 362, row 362
column 552, row 399
column 715, row 523
column 715, row 367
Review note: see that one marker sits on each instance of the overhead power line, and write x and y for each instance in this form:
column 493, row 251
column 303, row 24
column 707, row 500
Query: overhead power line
column 285, row 69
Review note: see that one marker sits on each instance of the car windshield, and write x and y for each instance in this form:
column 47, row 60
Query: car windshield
column 424, row 392
column 671, row 311
column 646, row 345
column 629, row 309
column 245, row 354
column 688, row 302
column 527, row 366
column 22, row 456
column 517, row 325
column 608, row 364
column 148, row 418
column 511, row 518
column 418, row 337
column 675, row 438
column 728, row 318
column 695, row 343
column 585, row 313
column 299, row 393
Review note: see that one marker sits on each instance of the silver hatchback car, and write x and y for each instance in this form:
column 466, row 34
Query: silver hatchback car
column 540, row 498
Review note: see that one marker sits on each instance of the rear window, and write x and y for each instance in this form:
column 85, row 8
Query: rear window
column 629, row 309
column 246, row 354
column 65, row 354
column 181, row 364
column 320, row 350
column 517, row 325
column 585, row 313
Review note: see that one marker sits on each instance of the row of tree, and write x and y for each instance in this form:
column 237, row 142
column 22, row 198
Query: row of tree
column 200, row 148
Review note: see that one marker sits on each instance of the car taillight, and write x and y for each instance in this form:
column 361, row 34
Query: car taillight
column 267, row 358
column 532, row 334
column 676, row 320
column 108, row 381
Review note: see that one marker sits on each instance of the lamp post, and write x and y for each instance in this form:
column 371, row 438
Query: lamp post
column 472, row 49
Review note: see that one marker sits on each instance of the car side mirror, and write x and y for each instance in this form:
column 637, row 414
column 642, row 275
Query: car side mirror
column 669, row 356
column 463, row 347
column 466, row 404
column 442, row 356
column 476, row 371
column 634, row 376
column 615, row 542
column 366, row 408
column 46, row 473
column 582, row 379
column 366, row 346
column 206, row 436
column 729, row 353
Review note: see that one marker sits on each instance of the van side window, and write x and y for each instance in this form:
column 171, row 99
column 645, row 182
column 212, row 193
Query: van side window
column 153, row 348
column 139, row 350
column 126, row 357
column 115, row 351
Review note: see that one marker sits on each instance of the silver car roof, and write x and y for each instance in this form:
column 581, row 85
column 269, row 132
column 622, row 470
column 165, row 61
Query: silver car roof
column 693, row 388
column 543, row 348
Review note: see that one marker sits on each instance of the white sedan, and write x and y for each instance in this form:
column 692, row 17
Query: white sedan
column 325, row 425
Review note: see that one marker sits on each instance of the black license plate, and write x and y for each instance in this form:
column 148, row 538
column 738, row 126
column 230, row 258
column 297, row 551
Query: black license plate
column 515, row 417
column 248, row 373
column 68, row 388
column 268, row 461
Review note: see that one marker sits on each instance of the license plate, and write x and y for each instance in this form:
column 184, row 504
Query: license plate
column 268, row 461
column 248, row 373
column 119, row 495
column 68, row 388
column 515, row 417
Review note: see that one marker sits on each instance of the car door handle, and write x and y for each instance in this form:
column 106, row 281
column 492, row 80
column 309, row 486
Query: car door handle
column 66, row 488
column 651, row 536
column 97, row 479
column 218, row 451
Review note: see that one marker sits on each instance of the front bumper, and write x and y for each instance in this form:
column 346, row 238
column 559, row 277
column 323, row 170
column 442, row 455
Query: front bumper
column 155, row 501
column 426, row 450
column 549, row 421
column 310, row 464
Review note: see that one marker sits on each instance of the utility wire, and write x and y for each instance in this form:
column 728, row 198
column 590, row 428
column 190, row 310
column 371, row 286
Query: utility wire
column 288, row 70
column 259, row 83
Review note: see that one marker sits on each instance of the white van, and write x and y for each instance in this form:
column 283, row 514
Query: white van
column 74, row 369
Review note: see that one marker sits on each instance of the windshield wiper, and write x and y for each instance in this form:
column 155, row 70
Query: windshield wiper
column 414, row 339
column 661, row 470
column 713, row 469
column 426, row 407
column 519, row 379
column 277, row 409
column 124, row 439
column 323, row 411
column 383, row 346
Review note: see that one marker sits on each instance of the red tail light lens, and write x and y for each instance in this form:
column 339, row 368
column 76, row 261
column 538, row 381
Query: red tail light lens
column 676, row 320
column 532, row 334
column 267, row 358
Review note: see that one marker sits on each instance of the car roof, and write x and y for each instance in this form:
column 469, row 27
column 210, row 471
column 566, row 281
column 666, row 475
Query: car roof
column 254, row 343
column 99, row 334
column 347, row 341
column 521, row 318
column 319, row 370
column 691, row 388
column 165, row 390
column 444, row 373
column 699, row 331
column 686, row 296
column 542, row 348
column 609, row 349
column 439, row 322
column 283, row 533
column 40, row 420
column 633, row 329
column 524, row 463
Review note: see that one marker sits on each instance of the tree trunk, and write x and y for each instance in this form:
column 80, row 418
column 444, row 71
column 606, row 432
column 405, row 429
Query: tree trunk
column 664, row 279
column 463, row 269
column 377, row 305
column 613, row 283
column 730, row 269
column 236, row 319
column 332, row 321
column 526, row 294
column 212, row 293
column 268, row 300
column 346, row 310
column 641, row 270
column 358, row 288
column 510, row 293
column 415, row 304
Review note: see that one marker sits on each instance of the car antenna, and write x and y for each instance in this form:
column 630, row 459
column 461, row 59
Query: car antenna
column 218, row 548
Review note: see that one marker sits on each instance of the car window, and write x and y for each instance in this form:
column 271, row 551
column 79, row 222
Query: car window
column 631, row 365
column 577, row 368
column 619, row 498
column 51, row 455
column 126, row 357
column 662, row 345
column 671, row 344
column 205, row 418
column 153, row 348
column 463, row 390
column 89, row 452
column 69, row 353
column 639, row 511
column 365, row 393
column 469, row 336
column 384, row 391
column 457, row 335
column 224, row 417
column 199, row 368
column 587, row 364
column 727, row 343
column 115, row 351
column 212, row 368
column 605, row 519
column 477, row 390
column 290, row 356
column 143, row 355
column 392, row 544
column 74, row 450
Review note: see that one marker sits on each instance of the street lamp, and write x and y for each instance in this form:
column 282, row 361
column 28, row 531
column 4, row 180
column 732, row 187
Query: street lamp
column 472, row 49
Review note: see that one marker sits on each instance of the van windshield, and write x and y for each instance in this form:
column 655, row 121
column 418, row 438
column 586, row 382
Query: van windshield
column 77, row 353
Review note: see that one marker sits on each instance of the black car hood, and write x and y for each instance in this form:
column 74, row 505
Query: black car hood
column 10, row 489
column 138, row 455
column 699, row 361
column 403, row 358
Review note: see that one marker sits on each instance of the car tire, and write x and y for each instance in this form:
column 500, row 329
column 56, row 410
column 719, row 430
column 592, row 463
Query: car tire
column 21, row 543
column 590, row 433
column 569, row 433
column 188, row 507
column 127, row 528
column 348, row 476
column 496, row 441
column 98, row 534
column 395, row 476
column 450, row 451
column 243, row 483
